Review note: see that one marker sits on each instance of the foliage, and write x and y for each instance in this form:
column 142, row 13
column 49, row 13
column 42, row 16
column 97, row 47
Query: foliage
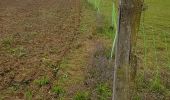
column 82, row 96
column 141, row 83
column 18, row 51
column 15, row 87
column 28, row 95
column 7, row 42
column 136, row 97
column 103, row 91
column 156, row 86
column 42, row 81
column 58, row 90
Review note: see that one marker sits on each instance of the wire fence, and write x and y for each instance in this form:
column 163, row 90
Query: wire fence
column 153, row 52
column 152, row 46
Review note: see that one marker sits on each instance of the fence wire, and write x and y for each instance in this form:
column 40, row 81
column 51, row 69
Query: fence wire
column 152, row 48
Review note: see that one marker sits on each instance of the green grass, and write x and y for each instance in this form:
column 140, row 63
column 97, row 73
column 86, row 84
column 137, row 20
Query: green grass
column 7, row 42
column 156, row 86
column 11, row 48
column 81, row 96
column 155, row 51
column 14, row 87
column 103, row 91
column 157, row 23
column 157, row 30
column 58, row 90
column 136, row 97
column 64, row 77
column 18, row 51
column 28, row 95
column 105, row 9
column 158, row 14
column 42, row 81
column 141, row 82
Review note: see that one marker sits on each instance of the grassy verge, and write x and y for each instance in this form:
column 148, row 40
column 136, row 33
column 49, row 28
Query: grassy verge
column 153, row 47
column 152, row 50
column 103, row 16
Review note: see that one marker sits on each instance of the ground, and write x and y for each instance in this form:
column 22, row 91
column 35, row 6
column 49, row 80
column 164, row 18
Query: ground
column 36, row 36
column 45, row 48
column 52, row 50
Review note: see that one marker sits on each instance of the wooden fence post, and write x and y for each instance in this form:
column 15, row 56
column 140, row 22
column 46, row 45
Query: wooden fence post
column 125, row 59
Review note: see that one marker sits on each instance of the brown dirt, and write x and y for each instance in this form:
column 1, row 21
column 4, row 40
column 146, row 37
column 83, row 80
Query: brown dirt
column 46, row 38
column 34, row 32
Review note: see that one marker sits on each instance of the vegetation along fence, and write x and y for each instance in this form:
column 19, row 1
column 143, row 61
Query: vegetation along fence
column 141, row 45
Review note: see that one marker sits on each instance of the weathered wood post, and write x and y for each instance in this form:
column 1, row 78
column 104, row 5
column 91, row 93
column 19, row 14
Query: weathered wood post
column 125, row 60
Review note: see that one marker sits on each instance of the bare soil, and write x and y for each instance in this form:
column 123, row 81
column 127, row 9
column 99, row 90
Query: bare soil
column 35, row 36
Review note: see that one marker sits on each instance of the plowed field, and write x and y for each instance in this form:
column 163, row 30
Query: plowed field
column 35, row 36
